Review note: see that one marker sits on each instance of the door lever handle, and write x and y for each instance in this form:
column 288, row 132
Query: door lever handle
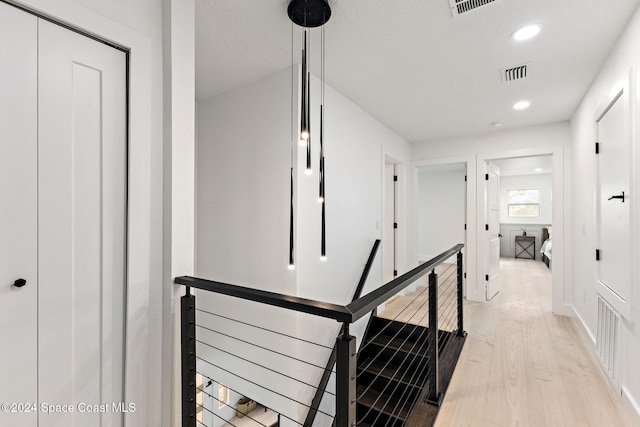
column 19, row 283
column 621, row 197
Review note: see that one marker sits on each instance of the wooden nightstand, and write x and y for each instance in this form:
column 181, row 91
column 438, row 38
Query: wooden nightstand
column 526, row 247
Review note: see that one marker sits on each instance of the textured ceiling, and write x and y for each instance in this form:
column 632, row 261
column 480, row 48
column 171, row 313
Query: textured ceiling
column 413, row 66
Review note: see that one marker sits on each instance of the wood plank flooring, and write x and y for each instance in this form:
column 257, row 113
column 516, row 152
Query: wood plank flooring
column 522, row 365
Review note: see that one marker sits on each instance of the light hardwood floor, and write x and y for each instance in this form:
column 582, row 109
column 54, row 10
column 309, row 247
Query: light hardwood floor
column 523, row 365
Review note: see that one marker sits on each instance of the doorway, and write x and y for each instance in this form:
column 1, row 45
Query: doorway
column 519, row 212
column 441, row 198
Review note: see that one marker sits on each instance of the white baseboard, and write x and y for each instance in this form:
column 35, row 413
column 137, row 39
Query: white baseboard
column 583, row 328
column 566, row 310
column 629, row 404
column 631, row 407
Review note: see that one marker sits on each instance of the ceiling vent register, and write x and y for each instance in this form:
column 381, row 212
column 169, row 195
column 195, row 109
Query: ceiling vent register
column 518, row 72
column 458, row 7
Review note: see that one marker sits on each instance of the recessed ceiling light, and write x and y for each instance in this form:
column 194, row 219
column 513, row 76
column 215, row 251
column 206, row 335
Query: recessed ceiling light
column 496, row 124
column 521, row 105
column 537, row 170
column 526, row 33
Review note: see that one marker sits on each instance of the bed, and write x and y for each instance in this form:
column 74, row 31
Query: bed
column 547, row 246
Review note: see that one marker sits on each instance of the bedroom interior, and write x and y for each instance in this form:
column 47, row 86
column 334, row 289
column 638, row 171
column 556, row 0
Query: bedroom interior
column 526, row 207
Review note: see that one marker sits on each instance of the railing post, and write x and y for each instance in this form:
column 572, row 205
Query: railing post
column 346, row 379
column 188, row 357
column 435, row 396
column 461, row 332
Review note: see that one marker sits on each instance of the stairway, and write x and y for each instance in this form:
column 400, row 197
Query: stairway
column 392, row 372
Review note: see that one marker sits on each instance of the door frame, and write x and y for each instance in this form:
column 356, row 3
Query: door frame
column 400, row 216
column 470, row 284
column 559, row 304
column 487, row 260
column 142, row 227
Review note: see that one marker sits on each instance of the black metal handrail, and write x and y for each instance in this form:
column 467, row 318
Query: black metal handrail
column 344, row 314
column 345, row 349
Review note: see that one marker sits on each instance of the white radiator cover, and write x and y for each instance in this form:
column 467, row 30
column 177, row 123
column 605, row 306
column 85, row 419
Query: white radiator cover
column 608, row 338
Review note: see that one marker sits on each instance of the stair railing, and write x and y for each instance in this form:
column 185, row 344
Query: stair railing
column 345, row 395
column 324, row 381
column 435, row 394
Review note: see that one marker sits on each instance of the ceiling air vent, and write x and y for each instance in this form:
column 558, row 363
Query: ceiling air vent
column 458, row 7
column 518, row 72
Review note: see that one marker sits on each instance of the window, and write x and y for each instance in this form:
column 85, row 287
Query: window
column 524, row 203
column 223, row 396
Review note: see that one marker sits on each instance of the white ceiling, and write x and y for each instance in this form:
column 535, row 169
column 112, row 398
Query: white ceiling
column 413, row 66
column 524, row 165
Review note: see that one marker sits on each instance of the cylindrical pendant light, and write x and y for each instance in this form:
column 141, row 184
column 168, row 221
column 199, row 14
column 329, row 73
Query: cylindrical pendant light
column 292, row 264
column 304, row 124
column 309, row 14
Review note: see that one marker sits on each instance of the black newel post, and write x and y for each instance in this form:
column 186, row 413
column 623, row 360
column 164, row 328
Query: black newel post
column 346, row 379
column 435, row 396
column 188, row 358
column 461, row 332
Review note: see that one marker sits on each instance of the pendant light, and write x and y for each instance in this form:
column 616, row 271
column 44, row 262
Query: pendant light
column 309, row 14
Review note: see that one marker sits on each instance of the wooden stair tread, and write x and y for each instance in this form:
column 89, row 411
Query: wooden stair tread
column 378, row 368
column 403, row 345
column 388, row 405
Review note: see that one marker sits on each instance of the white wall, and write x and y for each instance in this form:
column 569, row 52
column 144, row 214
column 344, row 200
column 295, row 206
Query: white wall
column 542, row 181
column 441, row 204
column 476, row 150
column 138, row 26
column 615, row 71
column 243, row 207
column 242, row 218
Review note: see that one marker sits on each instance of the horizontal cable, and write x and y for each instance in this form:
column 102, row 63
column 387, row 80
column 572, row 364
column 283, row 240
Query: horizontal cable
column 262, row 366
column 214, row 414
column 229, row 406
column 450, row 303
column 263, row 348
column 409, row 353
column 264, row 329
column 415, row 327
column 427, row 366
column 449, row 321
column 261, row 386
column 237, row 392
column 364, row 345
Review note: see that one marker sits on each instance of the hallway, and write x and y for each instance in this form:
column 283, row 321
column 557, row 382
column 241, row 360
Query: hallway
column 524, row 366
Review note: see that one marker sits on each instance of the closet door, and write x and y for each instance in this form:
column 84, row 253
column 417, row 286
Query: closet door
column 18, row 213
column 81, row 251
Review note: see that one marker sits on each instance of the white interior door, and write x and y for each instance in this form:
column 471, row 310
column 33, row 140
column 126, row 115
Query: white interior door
column 18, row 213
column 81, row 253
column 492, row 198
column 614, row 272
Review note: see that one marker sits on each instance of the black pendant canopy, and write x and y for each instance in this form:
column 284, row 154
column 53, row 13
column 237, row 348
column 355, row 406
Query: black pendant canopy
column 309, row 13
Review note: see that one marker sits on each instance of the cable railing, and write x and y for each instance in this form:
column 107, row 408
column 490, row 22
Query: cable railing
column 394, row 370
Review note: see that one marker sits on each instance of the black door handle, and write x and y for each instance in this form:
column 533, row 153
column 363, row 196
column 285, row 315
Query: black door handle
column 621, row 196
column 19, row 283
column 500, row 235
